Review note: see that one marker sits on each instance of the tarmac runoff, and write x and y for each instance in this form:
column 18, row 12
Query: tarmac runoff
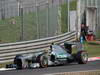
column 88, row 72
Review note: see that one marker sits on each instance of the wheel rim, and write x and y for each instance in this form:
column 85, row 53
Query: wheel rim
column 84, row 57
column 44, row 61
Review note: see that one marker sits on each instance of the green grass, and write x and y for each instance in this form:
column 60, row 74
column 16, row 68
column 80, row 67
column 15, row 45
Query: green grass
column 64, row 14
column 92, row 49
column 98, row 34
column 12, row 32
column 4, row 64
column 73, row 5
column 64, row 18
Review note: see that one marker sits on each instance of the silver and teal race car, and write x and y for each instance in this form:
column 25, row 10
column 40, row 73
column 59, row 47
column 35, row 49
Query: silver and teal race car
column 56, row 55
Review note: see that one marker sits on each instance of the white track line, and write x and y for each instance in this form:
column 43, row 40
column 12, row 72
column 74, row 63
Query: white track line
column 6, row 69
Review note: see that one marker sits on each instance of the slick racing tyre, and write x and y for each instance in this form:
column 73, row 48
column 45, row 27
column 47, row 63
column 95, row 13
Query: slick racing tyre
column 18, row 62
column 43, row 60
column 82, row 57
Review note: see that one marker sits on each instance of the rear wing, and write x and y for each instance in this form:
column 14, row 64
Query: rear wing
column 69, row 45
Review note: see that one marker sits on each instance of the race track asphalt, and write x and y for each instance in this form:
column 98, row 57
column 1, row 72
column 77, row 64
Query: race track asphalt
column 95, row 65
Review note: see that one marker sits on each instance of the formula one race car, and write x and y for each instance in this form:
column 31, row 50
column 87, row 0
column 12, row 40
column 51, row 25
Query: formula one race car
column 56, row 55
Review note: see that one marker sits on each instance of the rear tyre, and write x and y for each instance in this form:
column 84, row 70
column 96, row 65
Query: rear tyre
column 18, row 62
column 82, row 57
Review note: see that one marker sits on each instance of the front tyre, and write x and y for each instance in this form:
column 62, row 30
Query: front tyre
column 43, row 61
column 82, row 57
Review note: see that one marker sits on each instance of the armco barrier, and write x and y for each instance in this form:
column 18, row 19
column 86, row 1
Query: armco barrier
column 9, row 50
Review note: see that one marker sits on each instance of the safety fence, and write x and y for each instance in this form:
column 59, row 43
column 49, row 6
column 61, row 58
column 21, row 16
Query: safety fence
column 23, row 20
column 9, row 50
